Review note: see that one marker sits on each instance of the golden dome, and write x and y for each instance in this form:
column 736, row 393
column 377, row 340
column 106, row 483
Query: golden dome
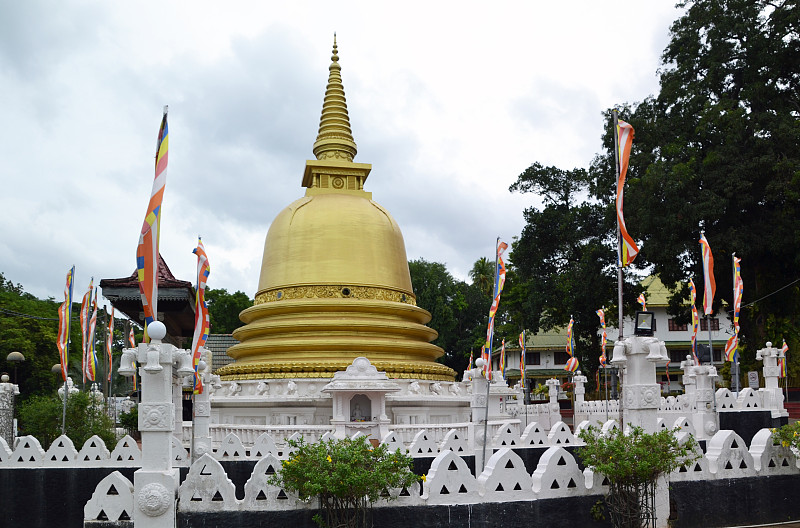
column 334, row 281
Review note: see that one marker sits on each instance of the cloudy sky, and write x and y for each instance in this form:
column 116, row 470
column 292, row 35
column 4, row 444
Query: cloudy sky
column 449, row 101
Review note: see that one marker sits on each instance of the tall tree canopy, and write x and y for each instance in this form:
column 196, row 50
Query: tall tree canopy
column 224, row 309
column 717, row 149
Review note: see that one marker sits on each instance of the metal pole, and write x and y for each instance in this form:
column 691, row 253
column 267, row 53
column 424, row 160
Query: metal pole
column 735, row 363
column 619, row 271
column 489, row 366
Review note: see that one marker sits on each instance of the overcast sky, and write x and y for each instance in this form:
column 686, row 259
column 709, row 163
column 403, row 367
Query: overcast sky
column 449, row 102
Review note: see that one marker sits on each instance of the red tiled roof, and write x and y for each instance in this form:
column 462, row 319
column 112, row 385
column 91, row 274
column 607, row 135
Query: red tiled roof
column 165, row 279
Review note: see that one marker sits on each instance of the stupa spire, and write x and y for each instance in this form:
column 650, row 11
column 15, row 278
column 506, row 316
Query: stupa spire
column 335, row 140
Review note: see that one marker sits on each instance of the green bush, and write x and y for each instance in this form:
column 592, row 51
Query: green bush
column 130, row 422
column 788, row 436
column 346, row 475
column 41, row 416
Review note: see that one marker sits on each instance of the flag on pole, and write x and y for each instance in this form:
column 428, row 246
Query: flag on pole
column 499, row 282
column 469, row 367
column 522, row 359
column 131, row 339
column 570, row 338
column 708, row 273
column 572, row 364
column 91, row 352
column 695, row 321
column 85, row 305
column 603, row 337
column 147, row 250
column 782, row 359
column 623, row 152
column 201, row 316
column 64, row 316
column 135, row 384
column 109, row 343
column 731, row 346
column 641, row 300
column 503, row 360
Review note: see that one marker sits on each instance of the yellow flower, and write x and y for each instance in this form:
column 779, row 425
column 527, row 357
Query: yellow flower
column 424, row 478
column 329, row 458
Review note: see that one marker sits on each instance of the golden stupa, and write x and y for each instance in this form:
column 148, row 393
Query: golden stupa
column 334, row 281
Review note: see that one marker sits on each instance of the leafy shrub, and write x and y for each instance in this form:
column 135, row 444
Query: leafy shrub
column 346, row 475
column 788, row 436
column 41, row 417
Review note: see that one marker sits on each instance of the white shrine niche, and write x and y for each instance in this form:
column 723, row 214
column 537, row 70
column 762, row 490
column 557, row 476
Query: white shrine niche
column 361, row 409
column 359, row 400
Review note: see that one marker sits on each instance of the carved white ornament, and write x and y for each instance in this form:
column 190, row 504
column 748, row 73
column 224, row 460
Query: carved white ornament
column 154, row 499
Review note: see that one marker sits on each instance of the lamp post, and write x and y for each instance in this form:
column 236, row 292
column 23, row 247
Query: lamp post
column 15, row 358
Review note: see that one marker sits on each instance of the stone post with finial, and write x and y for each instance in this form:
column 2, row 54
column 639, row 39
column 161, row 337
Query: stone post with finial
column 772, row 394
column 8, row 391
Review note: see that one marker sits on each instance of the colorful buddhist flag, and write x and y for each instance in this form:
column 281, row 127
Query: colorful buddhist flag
column 131, row 339
column 91, row 352
column 708, row 273
column 85, row 307
column 623, row 150
column 641, row 300
column 201, row 316
column 570, row 338
column 738, row 286
column 109, row 343
column 471, row 357
column 147, row 250
column 783, row 358
column 572, row 364
column 603, row 337
column 503, row 360
column 695, row 321
column 499, row 282
column 64, row 316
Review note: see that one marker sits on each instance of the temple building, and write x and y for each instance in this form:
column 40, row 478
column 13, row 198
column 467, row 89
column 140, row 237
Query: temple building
column 335, row 286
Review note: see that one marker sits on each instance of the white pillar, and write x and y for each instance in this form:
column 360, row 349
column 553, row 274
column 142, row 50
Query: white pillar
column 773, row 395
column 7, row 393
column 688, row 380
column 641, row 393
column 156, row 484
column 705, row 417
column 580, row 388
column 479, row 407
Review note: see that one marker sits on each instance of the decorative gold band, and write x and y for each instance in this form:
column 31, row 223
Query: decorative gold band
column 307, row 369
column 335, row 292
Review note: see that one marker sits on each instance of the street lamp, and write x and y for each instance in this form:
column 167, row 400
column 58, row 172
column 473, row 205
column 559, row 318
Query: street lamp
column 15, row 358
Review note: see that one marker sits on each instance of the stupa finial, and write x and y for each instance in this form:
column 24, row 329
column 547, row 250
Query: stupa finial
column 335, row 140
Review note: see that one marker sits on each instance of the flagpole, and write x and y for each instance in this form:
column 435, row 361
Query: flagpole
column 619, row 268
column 66, row 353
column 735, row 362
column 489, row 366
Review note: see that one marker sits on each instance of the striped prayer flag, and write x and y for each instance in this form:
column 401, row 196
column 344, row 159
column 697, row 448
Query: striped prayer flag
column 147, row 250
column 64, row 316
column 201, row 315
column 522, row 359
column 109, row 344
column 708, row 273
column 641, row 300
column 503, row 360
column 572, row 364
column 623, row 148
column 783, row 358
column 570, row 338
column 730, row 347
column 85, row 306
column 601, row 313
column 695, row 321
column 131, row 339
column 738, row 290
column 499, row 278
column 135, row 384
column 91, row 353
column 471, row 358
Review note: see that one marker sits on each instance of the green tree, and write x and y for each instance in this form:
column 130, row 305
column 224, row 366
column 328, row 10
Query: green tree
column 224, row 309
column 482, row 275
column 41, row 417
column 565, row 259
column 718, row 149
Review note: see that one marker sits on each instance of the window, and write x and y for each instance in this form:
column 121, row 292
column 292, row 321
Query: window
column 561, row 358
column 714, row 324
column 675, row 327
column 533, row 358
column 676, row 356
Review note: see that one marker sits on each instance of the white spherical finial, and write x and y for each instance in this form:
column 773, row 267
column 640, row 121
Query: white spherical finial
column 4, row 378
column 769, row 344
column 156, row 330
column 479, row 362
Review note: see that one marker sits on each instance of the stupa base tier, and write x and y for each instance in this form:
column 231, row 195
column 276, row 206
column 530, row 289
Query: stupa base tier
column 326, row 369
